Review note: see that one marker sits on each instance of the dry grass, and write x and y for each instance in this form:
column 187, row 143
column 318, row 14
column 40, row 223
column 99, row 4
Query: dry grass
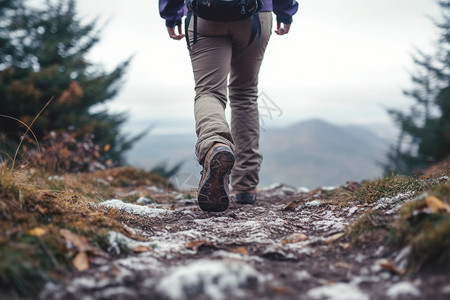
column 427, row 232
column 32, row 201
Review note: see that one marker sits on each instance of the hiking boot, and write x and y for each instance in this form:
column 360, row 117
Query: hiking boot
column 245, row 197
column 213, row 188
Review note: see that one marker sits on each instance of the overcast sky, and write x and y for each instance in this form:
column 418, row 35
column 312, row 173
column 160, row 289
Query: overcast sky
column 343, row 61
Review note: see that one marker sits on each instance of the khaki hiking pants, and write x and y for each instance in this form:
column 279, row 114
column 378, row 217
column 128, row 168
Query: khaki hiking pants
column 220, row 65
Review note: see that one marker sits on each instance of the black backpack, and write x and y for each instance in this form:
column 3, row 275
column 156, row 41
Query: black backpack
column 224, row 11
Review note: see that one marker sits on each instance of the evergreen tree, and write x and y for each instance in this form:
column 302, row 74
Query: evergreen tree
column 43, row 56
column 425, row 130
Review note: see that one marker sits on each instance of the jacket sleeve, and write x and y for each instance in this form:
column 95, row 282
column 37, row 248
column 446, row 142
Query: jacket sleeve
column 172, row 11
column 284, row 10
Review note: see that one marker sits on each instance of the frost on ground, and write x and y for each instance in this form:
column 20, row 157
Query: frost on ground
column 214, row 279
column 338, row 291
column 287, row 246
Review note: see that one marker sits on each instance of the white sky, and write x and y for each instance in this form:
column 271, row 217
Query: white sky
column 343, row 61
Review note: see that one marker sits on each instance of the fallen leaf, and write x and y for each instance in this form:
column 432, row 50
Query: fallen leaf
column 345, row 245
column 194, row 245
column 436, row 205
column 81, row 243
column 81, row 261
column 391, row 267
column 37, row 231
column 278, row 289
column 240, row 250
column 291, row 206
column 294, row 238
column 343, row 265
column 141, row 248
column 335, row 237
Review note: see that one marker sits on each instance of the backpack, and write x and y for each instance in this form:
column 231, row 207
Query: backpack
column 224, row 11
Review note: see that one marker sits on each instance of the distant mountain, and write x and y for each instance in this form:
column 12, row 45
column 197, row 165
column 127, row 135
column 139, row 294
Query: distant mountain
column 309, row 154
column 316, row 153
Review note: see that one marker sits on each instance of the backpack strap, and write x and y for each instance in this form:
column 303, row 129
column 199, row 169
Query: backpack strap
column 256, row 31
column 186, row 28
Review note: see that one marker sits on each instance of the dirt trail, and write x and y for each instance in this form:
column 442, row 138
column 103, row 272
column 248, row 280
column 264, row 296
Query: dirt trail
column 287, row 246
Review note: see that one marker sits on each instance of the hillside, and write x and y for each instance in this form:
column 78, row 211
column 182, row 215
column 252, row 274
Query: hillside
column 308, row 154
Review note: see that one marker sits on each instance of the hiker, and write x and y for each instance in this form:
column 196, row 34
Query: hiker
column 220, row 48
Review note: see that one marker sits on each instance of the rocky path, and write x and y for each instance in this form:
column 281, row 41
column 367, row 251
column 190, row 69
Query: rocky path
column 288, row 246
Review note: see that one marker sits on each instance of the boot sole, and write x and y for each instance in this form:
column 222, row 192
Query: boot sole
column 213, row 193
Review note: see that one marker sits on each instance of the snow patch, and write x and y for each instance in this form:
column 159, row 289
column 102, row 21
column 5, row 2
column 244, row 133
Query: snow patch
column 138, row 210
column 391, row 205
column 236, row 256
column 313, row 203
column 117, row 242
column 144, row 200
column 302, row 275
column 402, row 288
column 215, row 279
column 338, row 291
column 329, row 188
column 352, row 210
column 303, row 189
column 330, row 222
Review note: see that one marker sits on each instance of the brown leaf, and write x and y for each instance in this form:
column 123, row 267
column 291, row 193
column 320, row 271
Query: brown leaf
column 37, row 231
column 81, row 261
column 346, row 246
column 240, row 250
column 194, row 245
column 278, row 289
column 391, row 267
column 291, row 206
column 81, row 243
column 342, row 264
column 335, row 237
column 436, row 205
column 294, row 238
column 141, row 248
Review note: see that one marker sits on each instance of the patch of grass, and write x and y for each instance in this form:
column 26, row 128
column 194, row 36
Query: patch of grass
column 366, row 227
column 391, row 186
column 426, row 232
column 30, row 200
column 28, row 261
column 369, row 192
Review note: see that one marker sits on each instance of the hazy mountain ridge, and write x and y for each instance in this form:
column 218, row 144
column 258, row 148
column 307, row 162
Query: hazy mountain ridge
column 315, row 153
column 309, row 153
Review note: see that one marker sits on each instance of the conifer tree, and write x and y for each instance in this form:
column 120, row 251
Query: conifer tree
column 425, row 130
column 43, row 56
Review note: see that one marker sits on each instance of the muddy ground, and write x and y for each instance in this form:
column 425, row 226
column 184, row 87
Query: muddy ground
column 289, row 245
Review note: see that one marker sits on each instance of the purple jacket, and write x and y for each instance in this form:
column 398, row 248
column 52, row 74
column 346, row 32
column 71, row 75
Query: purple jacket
column 173, row 10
